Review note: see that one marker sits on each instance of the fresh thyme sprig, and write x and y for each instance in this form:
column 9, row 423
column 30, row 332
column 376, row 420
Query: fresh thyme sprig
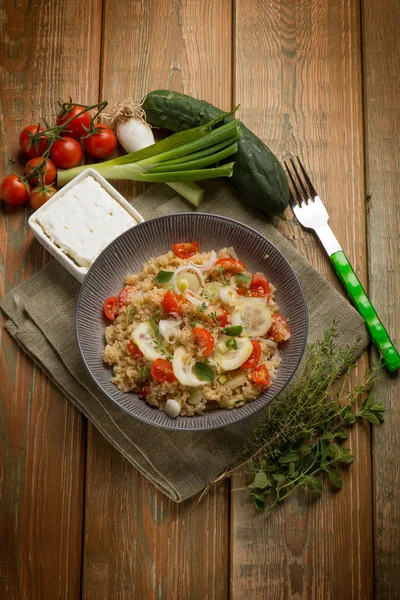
column 302, row 434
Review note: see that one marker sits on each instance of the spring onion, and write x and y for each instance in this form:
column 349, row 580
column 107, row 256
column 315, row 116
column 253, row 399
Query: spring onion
column 187, row 156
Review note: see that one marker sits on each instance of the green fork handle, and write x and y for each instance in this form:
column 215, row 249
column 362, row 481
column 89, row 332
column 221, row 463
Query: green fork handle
column 378, row 333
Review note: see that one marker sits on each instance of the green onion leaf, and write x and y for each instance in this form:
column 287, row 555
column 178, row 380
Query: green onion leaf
column 231, row 343
column 243, row 278
column 163, row 276
column 233, row 331
column 204, row 371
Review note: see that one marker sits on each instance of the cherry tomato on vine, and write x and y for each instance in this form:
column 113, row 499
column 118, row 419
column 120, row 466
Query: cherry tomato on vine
column 14, row 191
column 40, row 195
column 76, row 128
column 26, row 144
column 66, row 153
column 101, row 143
column 46, row 166
column 186, row 249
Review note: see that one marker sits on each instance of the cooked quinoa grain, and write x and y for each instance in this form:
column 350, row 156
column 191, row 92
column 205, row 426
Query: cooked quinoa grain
column 201, row 331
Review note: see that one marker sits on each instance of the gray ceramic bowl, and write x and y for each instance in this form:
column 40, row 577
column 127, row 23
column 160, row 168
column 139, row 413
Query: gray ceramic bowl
column 131, row 250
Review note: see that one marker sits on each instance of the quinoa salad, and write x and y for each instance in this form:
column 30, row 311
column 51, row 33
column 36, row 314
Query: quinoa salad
column 194, row 331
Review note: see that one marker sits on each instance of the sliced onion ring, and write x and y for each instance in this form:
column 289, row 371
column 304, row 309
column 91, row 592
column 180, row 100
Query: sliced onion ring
column 207, row 265
column 187, row 268
column 194, row 298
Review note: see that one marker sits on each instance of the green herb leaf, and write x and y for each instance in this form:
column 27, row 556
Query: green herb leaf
column 233, row 330
column 336, row 478
column 313, row 483
column 243, row 278
column 154, row 326
column 288, row 457
column 231, row 343
column 163, row 276
column 145, row 373
column 279, row 477
column 261, row 482
column 345, row 456
column 204, row 371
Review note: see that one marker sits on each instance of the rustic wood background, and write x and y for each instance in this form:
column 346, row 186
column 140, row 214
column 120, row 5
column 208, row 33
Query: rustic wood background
column 318, row 78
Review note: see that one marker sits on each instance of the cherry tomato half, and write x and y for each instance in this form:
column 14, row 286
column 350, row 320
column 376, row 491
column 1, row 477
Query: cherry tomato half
column 125, row 295
column 162, row 371
column 41, row 165
column 259, row 286
column 25, row 141
column 279, row 330
column 76, row 128
column 186, row 250
column 66, row 153
column 223, row 317
column 261, row 375
column 14, row 191
column 109, row 307
column 172, row 303
column 133, row 349
column 254, row 357
column 40, row 195
column 230, row 265
column 205, row 340
column 102, row 143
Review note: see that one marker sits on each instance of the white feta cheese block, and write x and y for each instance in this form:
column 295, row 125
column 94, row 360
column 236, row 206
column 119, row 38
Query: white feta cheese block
column 84, row 220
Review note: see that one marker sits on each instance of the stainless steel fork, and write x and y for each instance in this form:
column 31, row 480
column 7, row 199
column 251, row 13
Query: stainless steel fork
column 312, row 214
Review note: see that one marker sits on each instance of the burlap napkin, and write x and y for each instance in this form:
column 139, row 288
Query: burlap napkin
column 41, row 318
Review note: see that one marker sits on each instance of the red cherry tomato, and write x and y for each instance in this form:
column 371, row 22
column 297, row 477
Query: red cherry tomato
column 230, row 265
column 25, row 141
column 102, row 143
column 66, row 153
column 162, row 371
column 223, row 317
column 45, row 166
column 259, row 286
column 172, row 303
column 261, row 375
column 125, row 295
column 254, row 357
column 133, row 349
column 76, row 128
column 39, row 196
column 205, row 340
column 186, row 250
column 109, row 307
column 280, row 330
column 14, row 191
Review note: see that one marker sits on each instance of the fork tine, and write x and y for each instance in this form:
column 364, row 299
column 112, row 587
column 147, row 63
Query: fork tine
column 306, row 194
column 292, row 201
column 297, row 195
column 308, row 180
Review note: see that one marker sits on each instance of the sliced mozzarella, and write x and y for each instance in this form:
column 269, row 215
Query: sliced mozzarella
column 233, row 359
column 143, row 336
column 254, row 316
column 183, row 367
column 230, row 296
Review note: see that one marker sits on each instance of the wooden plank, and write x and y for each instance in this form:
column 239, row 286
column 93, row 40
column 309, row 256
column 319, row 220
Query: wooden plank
column 381, row 92
column 149, row 547
column 298, row 81
column 42, row 435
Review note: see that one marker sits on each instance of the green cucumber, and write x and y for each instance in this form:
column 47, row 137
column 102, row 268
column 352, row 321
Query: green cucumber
column 258, row 174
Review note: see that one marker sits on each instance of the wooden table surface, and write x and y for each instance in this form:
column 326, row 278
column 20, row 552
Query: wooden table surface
column 316, row 78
